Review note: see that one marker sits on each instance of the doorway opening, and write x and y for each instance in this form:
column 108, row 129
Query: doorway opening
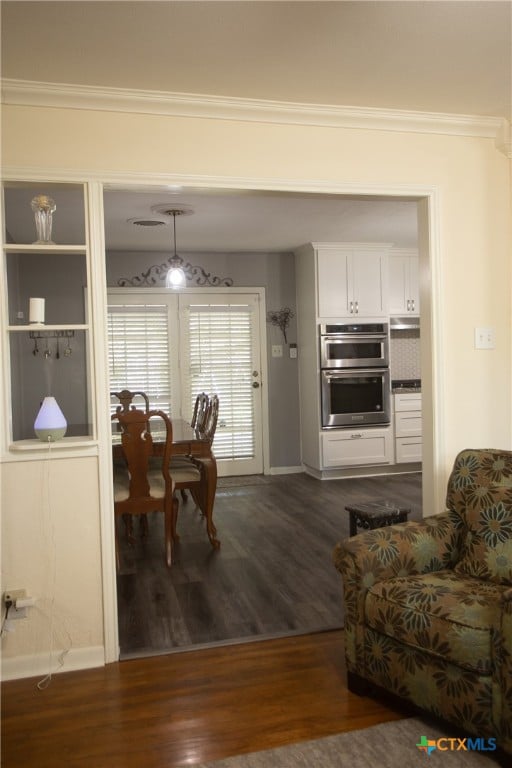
column 261, row 254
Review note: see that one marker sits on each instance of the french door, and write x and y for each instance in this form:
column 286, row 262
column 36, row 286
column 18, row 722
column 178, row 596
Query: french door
column 174, row 345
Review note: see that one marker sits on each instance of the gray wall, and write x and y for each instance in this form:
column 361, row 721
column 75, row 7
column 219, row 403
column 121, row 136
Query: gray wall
column 275, row 273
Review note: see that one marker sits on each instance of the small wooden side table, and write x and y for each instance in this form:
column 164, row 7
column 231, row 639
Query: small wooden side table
column 375, row 514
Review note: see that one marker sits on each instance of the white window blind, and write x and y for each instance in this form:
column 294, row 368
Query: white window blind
column 139, row 351
column 219, row 341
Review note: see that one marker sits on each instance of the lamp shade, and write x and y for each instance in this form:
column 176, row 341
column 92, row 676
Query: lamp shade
column 175, row 278
column 50, row 424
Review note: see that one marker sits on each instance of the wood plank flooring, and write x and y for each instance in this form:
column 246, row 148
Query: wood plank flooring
column 186, row 708
column 273, row 575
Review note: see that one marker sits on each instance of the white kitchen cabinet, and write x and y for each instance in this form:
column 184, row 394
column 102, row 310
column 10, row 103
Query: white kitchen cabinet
column 408, row 428
column 404, row 294
column 352, row 280
column 326, row 276
column 355, row 448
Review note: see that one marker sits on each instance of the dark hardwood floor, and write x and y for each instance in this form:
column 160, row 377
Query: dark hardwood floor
column 186, row 708
column 272, row 576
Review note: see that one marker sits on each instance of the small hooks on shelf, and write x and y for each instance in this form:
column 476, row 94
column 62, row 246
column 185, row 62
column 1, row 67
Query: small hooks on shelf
column 47, row 335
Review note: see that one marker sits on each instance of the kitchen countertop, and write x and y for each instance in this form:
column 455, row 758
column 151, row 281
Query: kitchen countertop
column 405, row 386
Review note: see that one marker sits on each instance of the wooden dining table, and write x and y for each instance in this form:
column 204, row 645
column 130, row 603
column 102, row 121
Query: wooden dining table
column 187, row 441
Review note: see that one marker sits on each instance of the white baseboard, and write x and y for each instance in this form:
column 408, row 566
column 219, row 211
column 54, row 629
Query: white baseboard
column 285, row 470
column 38, row 665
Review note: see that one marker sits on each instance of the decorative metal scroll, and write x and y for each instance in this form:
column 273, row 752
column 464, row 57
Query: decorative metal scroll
column 281, row 318
column 156, row 274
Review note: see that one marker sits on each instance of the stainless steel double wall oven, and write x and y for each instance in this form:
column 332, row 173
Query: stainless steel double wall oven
column 354, row 361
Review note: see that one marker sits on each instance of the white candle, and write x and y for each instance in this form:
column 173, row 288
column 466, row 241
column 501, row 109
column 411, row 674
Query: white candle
column 36, row 310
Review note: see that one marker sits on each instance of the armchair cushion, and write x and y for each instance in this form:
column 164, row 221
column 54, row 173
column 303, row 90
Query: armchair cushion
column 439, row 613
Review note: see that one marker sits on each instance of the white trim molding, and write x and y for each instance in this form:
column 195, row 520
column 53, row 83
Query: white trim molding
column 68, row 96
column 42, row 664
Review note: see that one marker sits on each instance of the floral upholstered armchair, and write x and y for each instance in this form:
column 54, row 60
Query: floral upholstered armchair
column 428, row 606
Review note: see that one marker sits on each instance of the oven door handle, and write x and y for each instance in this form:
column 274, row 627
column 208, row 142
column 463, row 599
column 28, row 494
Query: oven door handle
column 352, row 372
column 341, row 374
column 354, row 337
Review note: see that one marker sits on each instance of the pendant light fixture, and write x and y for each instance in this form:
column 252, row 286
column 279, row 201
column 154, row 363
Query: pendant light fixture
column 175, row 277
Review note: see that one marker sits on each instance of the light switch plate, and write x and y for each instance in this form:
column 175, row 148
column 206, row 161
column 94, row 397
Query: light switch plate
column 277, row 350
column 485, row 338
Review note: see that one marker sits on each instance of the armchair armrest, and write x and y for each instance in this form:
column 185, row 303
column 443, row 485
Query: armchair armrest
column 396, row 550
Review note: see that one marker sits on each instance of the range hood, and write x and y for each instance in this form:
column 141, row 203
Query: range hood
column 405, row 323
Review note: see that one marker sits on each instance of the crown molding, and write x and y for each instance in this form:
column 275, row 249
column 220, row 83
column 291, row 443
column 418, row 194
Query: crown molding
column 61, row 95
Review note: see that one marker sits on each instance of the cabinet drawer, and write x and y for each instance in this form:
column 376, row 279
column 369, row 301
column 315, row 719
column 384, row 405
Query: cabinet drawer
column 408, row 423
column 409, row 401
column 408, row 449
column 352, row 448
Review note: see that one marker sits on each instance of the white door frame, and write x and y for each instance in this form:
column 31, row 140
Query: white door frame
column 431, row 338
column 427, row 198
column 431, row 301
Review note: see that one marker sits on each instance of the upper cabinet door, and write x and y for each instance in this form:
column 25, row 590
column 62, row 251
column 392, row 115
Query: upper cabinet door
column 404, row 295
column 352, row 281
column 368, row 275
column 333, row 282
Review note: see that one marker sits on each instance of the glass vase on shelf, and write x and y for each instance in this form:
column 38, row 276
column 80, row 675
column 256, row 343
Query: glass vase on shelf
column 44, row 208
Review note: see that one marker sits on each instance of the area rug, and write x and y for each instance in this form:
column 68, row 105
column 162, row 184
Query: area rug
column 241, row 481
column 410, row 743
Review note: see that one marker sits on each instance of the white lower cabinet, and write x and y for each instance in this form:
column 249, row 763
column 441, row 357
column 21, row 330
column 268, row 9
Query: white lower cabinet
column 354, row 448
column 408, row 428
column 408, row 449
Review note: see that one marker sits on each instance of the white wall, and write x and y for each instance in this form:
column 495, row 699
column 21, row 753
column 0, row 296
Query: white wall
column 472, row 243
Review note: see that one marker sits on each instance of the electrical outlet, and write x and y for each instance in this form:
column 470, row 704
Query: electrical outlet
column 277, row 350
column 11, row 595
column 19, row 602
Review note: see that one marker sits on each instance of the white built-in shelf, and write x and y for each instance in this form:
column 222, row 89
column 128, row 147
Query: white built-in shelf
column 64, row 444
column 41, row 327
column 35, row 248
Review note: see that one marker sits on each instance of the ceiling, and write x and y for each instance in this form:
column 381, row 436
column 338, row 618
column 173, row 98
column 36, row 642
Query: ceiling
column 451, row 57
column 254, row 221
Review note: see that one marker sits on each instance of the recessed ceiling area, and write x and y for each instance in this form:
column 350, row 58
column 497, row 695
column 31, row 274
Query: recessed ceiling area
column 239, row 221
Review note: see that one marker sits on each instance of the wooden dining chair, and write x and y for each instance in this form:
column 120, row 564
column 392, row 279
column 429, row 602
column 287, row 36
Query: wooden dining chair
column 144, row 484
column 212, row 416
column 188, row 471
column 126, row 398
column 198, row 421
column 200, row 409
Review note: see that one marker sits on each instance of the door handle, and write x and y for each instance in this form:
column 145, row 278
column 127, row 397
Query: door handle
column 255, row 384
